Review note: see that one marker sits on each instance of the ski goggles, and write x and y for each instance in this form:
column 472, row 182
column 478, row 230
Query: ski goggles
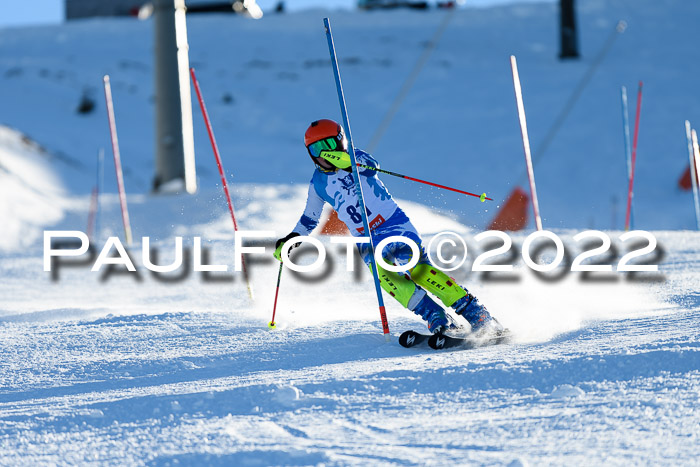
column 327, row 144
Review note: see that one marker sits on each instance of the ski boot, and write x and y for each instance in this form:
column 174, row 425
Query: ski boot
column 433, row 314
column 477, row 315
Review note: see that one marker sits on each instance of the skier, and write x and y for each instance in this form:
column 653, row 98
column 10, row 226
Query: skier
column 333, row 183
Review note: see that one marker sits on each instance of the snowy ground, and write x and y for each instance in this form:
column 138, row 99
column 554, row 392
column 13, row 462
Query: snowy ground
column 133, row 370
column 151, row 373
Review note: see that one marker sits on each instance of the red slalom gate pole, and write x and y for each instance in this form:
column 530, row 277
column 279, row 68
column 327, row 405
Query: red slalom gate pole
column 630, row 192
column 526, row 140
column 215, row 147
column 482, row 196
column 117, row 159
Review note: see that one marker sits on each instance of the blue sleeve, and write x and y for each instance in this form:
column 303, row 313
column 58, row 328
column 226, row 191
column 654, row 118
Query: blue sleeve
column 366, row 159
column 312, row 212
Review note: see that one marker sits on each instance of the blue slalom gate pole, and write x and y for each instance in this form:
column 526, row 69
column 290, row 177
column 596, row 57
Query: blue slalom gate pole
column 628, row 149
column 100, row 187
column 356, row 175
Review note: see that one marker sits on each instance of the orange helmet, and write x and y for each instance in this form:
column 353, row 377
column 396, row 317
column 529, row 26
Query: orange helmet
column 322, row 135
column 322, row 129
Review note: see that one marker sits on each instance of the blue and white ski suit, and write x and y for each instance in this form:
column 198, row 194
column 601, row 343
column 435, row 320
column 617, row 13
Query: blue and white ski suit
column 385, row 217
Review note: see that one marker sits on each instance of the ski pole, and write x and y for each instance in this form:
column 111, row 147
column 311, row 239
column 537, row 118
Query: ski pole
column 215, row 148
column 272, row 324
column 482, row 197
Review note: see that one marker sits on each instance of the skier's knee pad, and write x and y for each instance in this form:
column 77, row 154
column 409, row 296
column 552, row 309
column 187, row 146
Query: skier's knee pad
column 437, row 283
column 397, row 285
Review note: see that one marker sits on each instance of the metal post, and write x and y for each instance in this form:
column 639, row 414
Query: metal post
column 567, row 30
column 174, row 141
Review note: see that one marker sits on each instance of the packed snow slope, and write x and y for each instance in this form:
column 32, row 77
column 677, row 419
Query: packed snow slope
column 132, row 369
column 266, row 80
column 181, row 369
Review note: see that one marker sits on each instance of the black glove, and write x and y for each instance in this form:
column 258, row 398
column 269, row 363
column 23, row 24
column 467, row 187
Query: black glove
column 280, row 243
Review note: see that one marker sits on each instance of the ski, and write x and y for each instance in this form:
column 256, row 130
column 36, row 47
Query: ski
column 412, row 338
column 442, row 341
